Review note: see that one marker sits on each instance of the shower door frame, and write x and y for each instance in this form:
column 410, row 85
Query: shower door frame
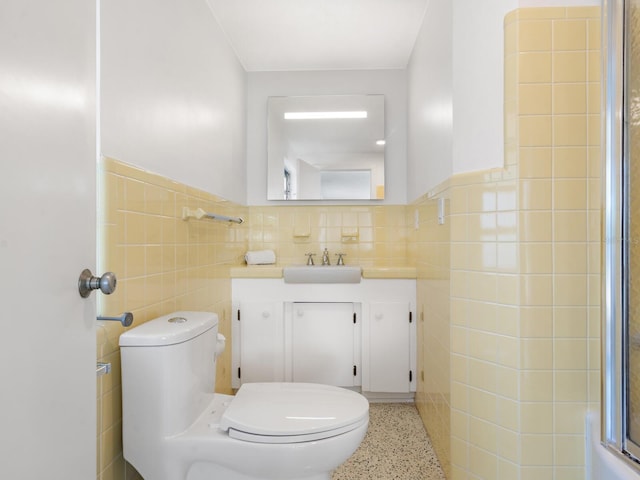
column 615, row 339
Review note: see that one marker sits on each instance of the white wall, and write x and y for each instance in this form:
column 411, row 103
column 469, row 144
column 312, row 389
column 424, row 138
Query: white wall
column 430, row 129
column 455, row 89
column 455, row 84
column 173, row 94
column 390, row 83
column 478, row 83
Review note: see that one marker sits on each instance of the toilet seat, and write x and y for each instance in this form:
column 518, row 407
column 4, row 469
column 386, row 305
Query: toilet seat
column 293, row 412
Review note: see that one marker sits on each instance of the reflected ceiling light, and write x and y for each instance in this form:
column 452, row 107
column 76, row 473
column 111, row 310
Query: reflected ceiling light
column 323, row 115
column 381, row 142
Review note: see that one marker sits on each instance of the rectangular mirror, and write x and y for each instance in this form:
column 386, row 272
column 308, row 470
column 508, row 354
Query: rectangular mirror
column 327, row 147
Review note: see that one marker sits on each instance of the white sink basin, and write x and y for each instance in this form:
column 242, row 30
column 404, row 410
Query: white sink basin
column 322, row 274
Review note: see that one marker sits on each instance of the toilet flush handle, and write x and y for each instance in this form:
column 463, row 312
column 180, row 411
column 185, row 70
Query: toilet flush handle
column 221, row 342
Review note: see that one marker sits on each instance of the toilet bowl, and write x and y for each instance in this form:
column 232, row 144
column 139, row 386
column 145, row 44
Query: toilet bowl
column 175, row 427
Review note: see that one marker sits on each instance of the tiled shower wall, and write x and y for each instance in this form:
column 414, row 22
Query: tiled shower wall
column 163, row 264
column 524, row 267
column 552, row 64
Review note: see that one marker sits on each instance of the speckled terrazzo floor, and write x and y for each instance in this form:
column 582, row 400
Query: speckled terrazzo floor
column 396, row 447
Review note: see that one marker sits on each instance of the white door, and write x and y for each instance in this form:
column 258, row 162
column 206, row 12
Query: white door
column 47, row 236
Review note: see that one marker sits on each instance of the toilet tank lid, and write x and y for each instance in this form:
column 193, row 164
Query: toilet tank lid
column 169, row 329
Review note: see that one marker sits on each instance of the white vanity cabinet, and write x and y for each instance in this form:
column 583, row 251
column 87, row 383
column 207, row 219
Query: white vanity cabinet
column 260, row 342
column 360, row 335
column 388, row 348
column 325, row 343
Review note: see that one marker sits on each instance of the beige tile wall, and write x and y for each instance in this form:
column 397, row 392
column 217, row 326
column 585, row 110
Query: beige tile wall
column 524, row 265
column 369, row 235
column 430, row 251
column 484, row 324
column 559, row 264
column 163, row 264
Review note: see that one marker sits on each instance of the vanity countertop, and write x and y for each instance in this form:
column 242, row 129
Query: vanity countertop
column 388, row 272
column 275, row 271
column 256, row 271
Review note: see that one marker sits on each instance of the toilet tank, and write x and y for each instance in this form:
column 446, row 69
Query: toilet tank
column 168, row 375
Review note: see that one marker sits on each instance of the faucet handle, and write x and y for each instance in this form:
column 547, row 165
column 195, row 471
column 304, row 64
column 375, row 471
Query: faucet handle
column 310, row 259
column 340, row 259
column 325, row 257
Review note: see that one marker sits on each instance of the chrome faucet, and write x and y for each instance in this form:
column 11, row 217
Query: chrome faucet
column 310, row 259
column 340, row 259
column 325, row 257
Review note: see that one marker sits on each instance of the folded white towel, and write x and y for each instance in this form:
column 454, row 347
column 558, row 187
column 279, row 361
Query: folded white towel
column 260, row 257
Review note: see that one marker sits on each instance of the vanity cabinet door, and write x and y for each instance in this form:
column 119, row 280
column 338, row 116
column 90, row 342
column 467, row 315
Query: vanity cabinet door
column 389, row 347
column 261, row 342
column 323, row 336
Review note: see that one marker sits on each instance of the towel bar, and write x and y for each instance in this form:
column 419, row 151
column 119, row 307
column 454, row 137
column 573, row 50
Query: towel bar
column 200, row 214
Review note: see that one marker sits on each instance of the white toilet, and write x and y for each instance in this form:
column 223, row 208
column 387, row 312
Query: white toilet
column 175, row 428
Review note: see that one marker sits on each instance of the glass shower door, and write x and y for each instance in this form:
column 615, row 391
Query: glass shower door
column 621, row 231
column 631, row 228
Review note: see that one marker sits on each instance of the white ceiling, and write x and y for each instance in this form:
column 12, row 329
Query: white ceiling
column 277, row 35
